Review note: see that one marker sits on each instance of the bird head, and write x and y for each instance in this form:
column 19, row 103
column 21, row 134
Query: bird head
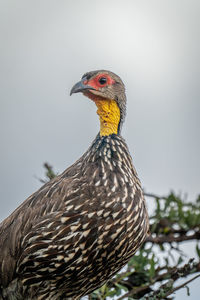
column 107, row 90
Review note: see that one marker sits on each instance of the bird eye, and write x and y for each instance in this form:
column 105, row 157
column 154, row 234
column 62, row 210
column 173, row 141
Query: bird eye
column 102, row 80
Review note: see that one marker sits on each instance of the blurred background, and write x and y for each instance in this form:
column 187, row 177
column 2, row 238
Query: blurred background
column 45, row 48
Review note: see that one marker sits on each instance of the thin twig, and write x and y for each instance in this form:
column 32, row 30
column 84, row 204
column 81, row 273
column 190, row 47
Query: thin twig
column 171, row 238
column 182, row 285
column 154, row 196
column 173, row 274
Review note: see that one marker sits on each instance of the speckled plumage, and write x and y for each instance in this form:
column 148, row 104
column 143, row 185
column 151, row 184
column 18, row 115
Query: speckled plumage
column 76, row 231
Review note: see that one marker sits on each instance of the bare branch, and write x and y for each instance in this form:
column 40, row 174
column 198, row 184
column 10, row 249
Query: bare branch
column 172, row 274
column 182, row 285
column 171, row 238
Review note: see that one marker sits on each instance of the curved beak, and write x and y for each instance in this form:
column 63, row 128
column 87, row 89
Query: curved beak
column 80, row 86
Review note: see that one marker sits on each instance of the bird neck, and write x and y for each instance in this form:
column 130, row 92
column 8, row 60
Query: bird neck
column 109, row 115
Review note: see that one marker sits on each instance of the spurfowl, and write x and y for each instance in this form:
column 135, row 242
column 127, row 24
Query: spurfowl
column 80, row 228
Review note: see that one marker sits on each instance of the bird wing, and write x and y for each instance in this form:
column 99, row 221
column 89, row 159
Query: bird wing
column 54, row 228
column 42, row 204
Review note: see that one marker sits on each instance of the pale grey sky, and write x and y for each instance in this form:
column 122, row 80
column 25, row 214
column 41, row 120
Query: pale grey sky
column 45, row 48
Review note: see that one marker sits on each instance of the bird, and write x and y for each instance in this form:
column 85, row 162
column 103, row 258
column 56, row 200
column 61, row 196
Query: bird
column 80, row 228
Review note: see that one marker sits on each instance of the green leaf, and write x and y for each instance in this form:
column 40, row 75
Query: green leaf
column 180, row 260
column 188, row 290
column 198, row 250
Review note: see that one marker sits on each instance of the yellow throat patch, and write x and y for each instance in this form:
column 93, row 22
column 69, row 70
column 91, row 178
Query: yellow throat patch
column 109, row 115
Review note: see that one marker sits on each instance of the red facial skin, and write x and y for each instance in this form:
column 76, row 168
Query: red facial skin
column 94, row 82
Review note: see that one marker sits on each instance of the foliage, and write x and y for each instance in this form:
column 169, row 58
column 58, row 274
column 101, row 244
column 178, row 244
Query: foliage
column 152, row 273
